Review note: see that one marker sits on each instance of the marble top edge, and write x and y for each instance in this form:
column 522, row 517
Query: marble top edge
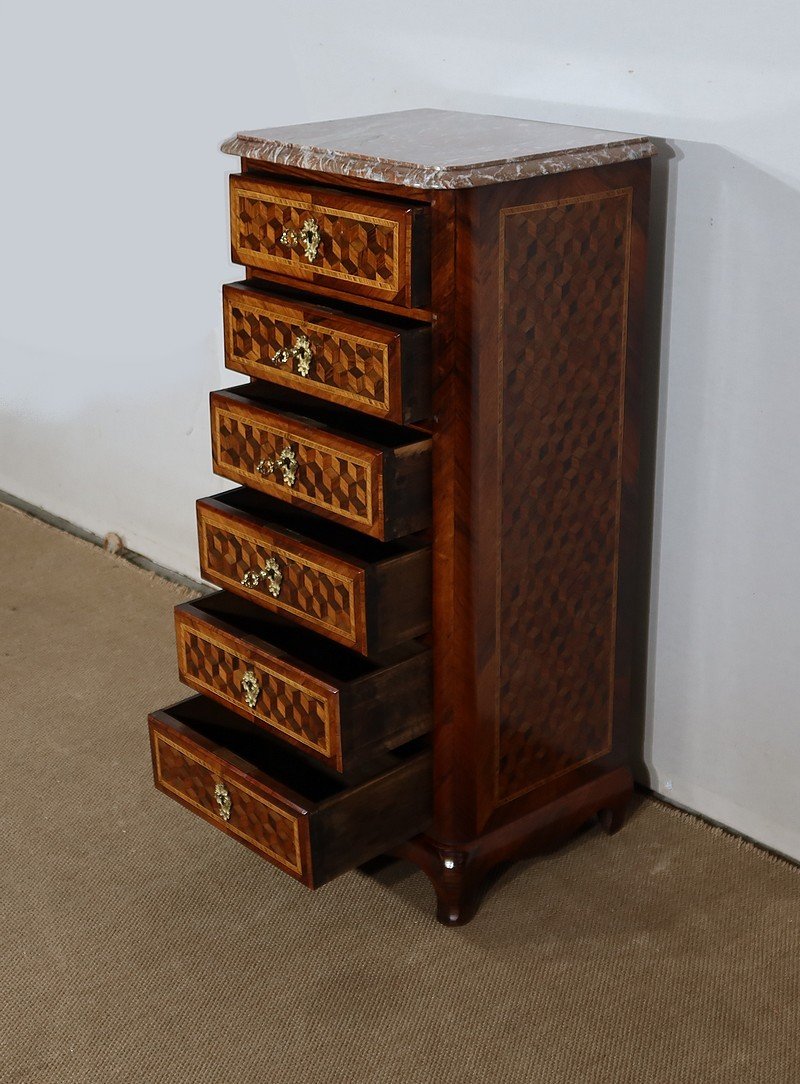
column 431, row 148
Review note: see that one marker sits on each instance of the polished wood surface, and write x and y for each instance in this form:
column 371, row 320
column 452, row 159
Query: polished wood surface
column 375, row 248
column 363, row 594
column 307, row 823
column 380, row 369
column 480, row 525
column 344, row 710
column 459, row 873
column 480, row 561
column 371, row 477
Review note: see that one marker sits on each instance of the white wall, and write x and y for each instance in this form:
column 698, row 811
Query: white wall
column 113, row 246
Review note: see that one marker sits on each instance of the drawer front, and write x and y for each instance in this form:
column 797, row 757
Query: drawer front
column 375, row 370
column 337, row 478
column 292, row 812
column 262, row 686
column 207, row 786
column 284, row 576
column 344, row 711
column 352, row 243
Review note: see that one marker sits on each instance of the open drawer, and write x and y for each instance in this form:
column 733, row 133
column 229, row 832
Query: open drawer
column 378, row 368
column 297, row 816
column 340, row 707
column 368, row 475
column 364, row 594
column 309, row 235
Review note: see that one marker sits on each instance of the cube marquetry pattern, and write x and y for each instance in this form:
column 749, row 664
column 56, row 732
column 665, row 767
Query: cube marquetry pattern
column 253, row 819
column 346, row 369
column 356, row 248
column 312, row 595
column 564, row 299
column 282, row 704
column 326, row 480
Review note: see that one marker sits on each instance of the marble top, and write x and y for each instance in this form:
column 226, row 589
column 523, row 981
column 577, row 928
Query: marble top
column 438, row 148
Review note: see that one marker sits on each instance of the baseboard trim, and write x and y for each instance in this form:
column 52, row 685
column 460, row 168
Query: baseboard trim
column 137, row 559
column 687, row 811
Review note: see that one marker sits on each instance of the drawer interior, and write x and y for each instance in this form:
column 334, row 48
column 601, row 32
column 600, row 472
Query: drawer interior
column 342, row 306
column 339, row 421
column 231, row 734
column 228, row 733
column 335, row 826
column 284, row 638
column 292, row 296
column 304, row 526
column 352, row 708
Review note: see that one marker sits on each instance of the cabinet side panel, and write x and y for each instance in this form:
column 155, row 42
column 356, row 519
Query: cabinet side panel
column 563, row 304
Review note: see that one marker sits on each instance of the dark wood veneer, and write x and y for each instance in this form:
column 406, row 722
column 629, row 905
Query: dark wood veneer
column 371, row 247
column 340, row 708
column 307, row 823
column 503, row 524
column 378, row 368
column 371, row 476
column 367, row 595
column 474, row 821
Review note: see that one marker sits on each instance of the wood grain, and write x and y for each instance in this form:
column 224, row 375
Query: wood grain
column 342, row 710
column 381, row 489
column 375, row 368
column 369, row 247
column 309, row 825
column 342, row 590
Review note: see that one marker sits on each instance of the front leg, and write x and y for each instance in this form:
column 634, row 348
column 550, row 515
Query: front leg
column 455, row 873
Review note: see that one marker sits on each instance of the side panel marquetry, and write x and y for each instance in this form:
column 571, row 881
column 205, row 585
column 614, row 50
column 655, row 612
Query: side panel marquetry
column 252, row 818
column 286, row 701
column 315, row 591
column 563, row 299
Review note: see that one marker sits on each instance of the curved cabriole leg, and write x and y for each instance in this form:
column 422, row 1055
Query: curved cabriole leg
column 454, row 873
column 458, row 872
column 613, row 817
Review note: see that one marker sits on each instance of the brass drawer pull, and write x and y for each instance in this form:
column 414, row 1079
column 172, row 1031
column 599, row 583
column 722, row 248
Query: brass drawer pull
column 271, row 572
column 308, row 237
column 223, row 800
column 302, row 353
column 250, row 688
column 285, row 462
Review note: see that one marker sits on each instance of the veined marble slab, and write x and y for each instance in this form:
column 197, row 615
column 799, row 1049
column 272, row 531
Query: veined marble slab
column 438, row 148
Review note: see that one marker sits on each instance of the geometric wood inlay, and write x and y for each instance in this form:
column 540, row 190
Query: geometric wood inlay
column 344, row 368
column 353, row 247
column 563, row 287
column 252, row 818
column 312, row 594
column 282, row 703
column 325, row 477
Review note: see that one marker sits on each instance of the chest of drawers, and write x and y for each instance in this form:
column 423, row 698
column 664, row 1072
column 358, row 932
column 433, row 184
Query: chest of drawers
column 421, row 643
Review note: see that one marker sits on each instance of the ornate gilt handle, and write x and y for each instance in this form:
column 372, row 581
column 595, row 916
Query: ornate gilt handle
column 223, row 799
column 271, row 572
column 308, row 237
column 285, row 462
column 250, row 688
column 302, row 353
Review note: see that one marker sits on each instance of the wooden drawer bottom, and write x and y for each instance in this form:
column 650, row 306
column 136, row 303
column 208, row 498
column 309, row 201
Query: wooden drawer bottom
column 296, row 815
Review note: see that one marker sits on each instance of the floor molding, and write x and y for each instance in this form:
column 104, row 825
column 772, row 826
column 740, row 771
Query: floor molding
column 687, row 811
column 69, row 527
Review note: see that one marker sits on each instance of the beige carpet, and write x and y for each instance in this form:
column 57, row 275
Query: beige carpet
column 142, row 946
